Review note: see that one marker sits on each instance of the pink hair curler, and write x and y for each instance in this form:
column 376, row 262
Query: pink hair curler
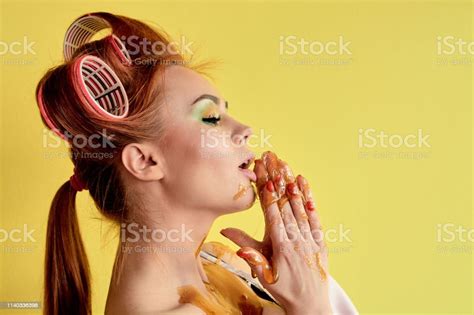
column 100, row 88
column 120, row 49
column 45, row 115
column 101, row 91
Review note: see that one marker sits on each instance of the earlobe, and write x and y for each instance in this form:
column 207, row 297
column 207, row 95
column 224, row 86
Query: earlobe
column 142, row 161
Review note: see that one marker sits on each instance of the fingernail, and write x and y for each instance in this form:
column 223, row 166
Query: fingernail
column 222, row 231
column 280, row 183
column 252, row 256
column 242, row 254
column 303, row 180
column 269, row 186
column 292, row 189
column 286, row 171
column 310, row 205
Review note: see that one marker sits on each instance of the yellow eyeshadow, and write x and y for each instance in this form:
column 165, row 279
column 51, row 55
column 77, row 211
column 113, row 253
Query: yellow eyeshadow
column 211, row 111
column 205, row 109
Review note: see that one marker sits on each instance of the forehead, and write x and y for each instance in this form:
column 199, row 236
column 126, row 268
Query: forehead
column 183, row 85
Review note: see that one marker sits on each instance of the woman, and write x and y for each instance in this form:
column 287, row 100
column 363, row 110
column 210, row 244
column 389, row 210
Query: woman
column 149, row 165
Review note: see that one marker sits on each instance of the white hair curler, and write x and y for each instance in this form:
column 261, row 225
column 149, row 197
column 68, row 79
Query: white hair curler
column 83, row 29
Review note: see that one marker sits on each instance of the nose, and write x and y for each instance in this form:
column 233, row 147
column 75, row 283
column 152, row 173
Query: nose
column 243, row 135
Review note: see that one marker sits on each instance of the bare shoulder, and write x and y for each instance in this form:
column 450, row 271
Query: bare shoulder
column 183, row 309
column 273, row 310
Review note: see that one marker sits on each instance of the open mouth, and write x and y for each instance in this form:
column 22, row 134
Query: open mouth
column 245, row 168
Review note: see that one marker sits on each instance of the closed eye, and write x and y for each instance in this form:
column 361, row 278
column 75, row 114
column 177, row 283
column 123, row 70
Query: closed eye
column 211, row 120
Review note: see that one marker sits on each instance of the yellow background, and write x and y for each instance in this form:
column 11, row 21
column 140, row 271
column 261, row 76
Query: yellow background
column 391, row 82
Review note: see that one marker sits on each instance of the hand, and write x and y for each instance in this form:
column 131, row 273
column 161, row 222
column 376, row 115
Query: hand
column 291, row 260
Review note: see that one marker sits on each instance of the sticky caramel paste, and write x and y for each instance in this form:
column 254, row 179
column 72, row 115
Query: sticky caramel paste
column 226, row 293
column 319, row 263
column 241, row 191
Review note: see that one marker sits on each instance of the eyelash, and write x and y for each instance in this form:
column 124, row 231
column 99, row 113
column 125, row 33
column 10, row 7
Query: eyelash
column 211, row 120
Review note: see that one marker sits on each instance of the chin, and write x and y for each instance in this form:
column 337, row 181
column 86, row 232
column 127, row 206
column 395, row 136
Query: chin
column 244, row 198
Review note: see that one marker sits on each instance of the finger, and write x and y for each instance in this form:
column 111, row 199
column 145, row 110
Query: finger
column 291, row 226
column 240, row 238
column 310, row 208
column 296, row 202
column 262, row 175
column 294, row 196
column 270, row 161
column 273, row 219
column 285, row 170
column 259, row 265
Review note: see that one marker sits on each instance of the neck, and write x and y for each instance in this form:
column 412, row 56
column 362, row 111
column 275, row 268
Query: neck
column 165, row 248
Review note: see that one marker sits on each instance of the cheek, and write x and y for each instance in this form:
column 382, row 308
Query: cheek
column 205, row 173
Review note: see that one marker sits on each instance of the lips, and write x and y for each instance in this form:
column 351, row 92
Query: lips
column 244, row 167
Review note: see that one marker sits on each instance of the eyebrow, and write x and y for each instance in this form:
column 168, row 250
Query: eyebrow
column 213, row 98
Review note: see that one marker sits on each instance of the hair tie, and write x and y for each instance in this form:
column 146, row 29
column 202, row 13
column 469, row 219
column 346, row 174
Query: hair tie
column 76, row 183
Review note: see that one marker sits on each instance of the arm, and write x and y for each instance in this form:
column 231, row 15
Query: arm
column 273, row 310
column 340, row 301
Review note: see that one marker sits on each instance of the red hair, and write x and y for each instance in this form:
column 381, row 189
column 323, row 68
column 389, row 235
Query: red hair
column 67, row 288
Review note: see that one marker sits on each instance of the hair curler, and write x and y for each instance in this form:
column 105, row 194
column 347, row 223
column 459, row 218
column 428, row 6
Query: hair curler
column 100, row 88
column 83, row 29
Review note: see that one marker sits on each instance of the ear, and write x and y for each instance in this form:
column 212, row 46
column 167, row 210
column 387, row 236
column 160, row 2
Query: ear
column 142, row 161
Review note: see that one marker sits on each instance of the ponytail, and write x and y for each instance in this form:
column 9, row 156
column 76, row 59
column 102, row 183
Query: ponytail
column 67, row 277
